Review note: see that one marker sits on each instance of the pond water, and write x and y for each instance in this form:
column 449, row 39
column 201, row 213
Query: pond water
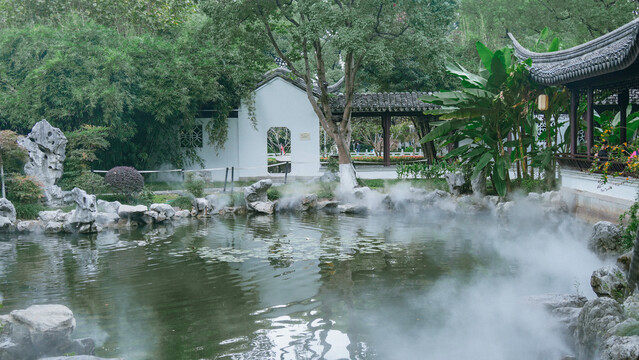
column 310, row 286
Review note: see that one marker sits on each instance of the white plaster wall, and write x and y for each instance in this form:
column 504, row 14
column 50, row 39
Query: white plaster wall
column 219, row 158
column 279, row 104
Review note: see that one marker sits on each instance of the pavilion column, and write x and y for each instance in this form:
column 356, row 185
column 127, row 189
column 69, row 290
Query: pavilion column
column 590, row 116
column 386, row 124
column 574, row 122
column 623, row 100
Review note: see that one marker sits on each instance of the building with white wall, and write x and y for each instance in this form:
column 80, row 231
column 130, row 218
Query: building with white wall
column 280, row 101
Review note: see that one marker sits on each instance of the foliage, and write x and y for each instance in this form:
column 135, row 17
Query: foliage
column 528, row 185
column 273, row 193
column 574, row 21
column 629, row 224
column 183, row 202
column 23, row 189
column 87, row 181
column 314, row 37
column 194, row 184
column 332, row 165
column 124, row 180
column 491, row 105
column 143, row 88
column 145, row 197
column 422, row 170
column 12, row 155
column 28, row 211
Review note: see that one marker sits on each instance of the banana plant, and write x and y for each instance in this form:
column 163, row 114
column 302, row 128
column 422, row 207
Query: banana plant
column 489, row 106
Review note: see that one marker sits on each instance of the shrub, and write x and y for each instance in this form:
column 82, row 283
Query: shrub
column 145, row 197
column 87, row 181
column 28, row 211
column 273, row 194
column 183, row 202
column 124, row 180
column 23, row 189
column 332, row 165
column 194, row 184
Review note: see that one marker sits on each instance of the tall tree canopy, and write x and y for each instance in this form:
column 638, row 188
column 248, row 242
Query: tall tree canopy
column 144, row 88
column 308, row 35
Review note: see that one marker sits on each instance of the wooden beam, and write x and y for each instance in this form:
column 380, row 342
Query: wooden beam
column 623, row 98
column 574, row 122
column 590, row 123
column 386, row 123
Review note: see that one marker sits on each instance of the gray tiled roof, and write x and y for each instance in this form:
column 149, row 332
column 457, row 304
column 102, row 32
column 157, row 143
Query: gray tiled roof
column 609, row 53
column 383, row 102
column 287, row 75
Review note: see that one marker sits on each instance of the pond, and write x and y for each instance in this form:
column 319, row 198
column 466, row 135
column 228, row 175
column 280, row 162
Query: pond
column 311, row 286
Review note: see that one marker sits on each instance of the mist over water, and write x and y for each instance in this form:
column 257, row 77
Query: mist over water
column 389, row 285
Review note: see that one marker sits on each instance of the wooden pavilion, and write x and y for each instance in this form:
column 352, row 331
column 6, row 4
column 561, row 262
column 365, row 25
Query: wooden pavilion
column 385, row 106
column 605, row 70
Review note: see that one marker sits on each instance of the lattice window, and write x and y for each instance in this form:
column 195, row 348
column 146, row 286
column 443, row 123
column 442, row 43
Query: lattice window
column 192, row 137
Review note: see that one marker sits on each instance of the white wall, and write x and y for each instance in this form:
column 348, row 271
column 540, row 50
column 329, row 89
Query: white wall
column 277, row 104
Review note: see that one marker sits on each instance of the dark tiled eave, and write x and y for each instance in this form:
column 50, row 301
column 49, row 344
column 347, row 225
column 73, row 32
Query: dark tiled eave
column 609, row 53
column 376, row 103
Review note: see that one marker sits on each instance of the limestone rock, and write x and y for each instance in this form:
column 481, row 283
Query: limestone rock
column 623, row 261
column 478, row 184
column 106, row 218
column 29, row 226
column 565, row 308
column 605, row 238
column 553, row 200
column 620, row 348
column 46, row 145
column 609, row 281
column 83, row 217
column 182, row 214
column 352, row 209
column 53, row 227
column 455, row 182
column 52, row 215
column 164, row 210
column 133, row 213
column 40, row 330
column 256, row 197
column 631, row 306
column 5, row 224
column 595, row 319
column 108, row 206
column 7, row 210
column 307, row 202
column 200, row 207
column 150, row 217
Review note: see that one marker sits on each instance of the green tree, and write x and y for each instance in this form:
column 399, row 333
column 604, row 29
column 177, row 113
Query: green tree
column 304, row 33
column 12, row 155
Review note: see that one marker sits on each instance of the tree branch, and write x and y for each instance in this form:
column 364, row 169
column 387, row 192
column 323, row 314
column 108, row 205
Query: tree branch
column 290, row 19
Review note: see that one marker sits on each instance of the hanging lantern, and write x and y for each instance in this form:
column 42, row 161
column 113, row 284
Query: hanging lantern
column 542, row 102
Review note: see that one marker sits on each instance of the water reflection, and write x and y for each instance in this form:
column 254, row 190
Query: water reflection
column 313, row 286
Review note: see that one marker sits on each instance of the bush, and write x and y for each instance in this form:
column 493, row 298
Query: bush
column 273, row 194
column 124, row 180
column 28, row 211
column 194, row 184
column 23, row 189
column 145, row 197
column 183, row 202
column 332, row 165
column 87, row 181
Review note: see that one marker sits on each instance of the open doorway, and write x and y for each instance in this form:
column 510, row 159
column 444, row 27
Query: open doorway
column 279, row 149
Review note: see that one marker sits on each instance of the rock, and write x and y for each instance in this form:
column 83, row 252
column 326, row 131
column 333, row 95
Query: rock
column 5, row 224
column 352, row 209
column 328, row 177
column 200, row 207
column 78, row 357
column 40, row 330
column 455, row 182
column 150, row 217
column 182, row 214
column 131, row 213
column 110, row 207
column 565, row 308
column 327, row 205
column 609, row 281
column 164, row 210
column 620, row 348
column 53, row 227
column 503, row 209
column 307, row 202
column 83, row 217
column 29, row 226
column 436, row 196
column 631, row 306
column 51, row 215
column 46, row 145
column 605, row 238
column 362, row 193
column 554, row 201
column 106, row 218
column 7, row 210
column 596, row 318
column 623, row 261
column 478, row 184
column 257, row 199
